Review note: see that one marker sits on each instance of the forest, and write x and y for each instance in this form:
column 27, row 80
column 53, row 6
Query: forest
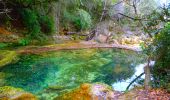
column 84, row 49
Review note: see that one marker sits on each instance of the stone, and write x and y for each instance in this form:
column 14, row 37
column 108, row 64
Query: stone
column 101, row 38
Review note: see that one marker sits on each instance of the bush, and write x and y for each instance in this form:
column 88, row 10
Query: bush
column 47, row 24
column 3, row 45
column 83, row 19
column 30, row 20
column 24, row 42
column 37, row 25
column 161, row 50
column 80, row 18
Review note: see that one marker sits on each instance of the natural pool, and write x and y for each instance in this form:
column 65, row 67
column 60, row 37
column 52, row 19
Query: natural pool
column 66, row 69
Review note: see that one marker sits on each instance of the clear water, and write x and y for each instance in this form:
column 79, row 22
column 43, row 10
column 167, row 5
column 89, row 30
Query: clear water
column 67, row 69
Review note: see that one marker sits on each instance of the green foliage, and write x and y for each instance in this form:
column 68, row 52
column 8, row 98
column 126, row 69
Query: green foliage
column 3, row 45
column 47, row 24
column 30, row 19
column 159, row 48
column 24, row 41
column 36, row 15
column 80, row 18
column 36, row 24
column 162, row 52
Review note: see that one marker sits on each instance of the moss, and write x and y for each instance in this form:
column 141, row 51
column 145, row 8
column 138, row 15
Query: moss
column 56, row 87
column 8, row 90
column 11, row 93
column 88, row 91
column 2, row 76
column 81, row 93
column 7, row 57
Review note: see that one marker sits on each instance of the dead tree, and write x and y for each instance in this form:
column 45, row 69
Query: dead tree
column 3, row 8
column 104, row 10
column 133, row 3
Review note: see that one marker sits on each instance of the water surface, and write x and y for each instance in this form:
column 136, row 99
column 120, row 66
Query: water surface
column 67, row 69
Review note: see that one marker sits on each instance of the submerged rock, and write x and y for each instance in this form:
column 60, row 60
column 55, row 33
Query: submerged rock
column 7, row 57
column 11, row 93
column 90, row 92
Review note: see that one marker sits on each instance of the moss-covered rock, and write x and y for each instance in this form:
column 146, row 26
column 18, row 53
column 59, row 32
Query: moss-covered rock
column 7, row 57
column 11, row 93
column 89, row 92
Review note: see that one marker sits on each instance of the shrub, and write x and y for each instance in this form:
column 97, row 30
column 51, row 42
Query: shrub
column 37, row 25
column 30, row 20
column 161, row 50
column 24, row 42
column 3, row 45
column 83, row 19
column 80, row 18
column 47, row 24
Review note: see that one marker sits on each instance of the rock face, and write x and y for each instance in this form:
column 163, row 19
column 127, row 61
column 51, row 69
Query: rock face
column 11, row 93
column 90, row 92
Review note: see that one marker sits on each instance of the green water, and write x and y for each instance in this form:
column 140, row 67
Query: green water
column 69, row 68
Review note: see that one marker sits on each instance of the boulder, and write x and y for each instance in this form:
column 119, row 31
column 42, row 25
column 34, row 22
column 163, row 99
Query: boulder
column 101, row 38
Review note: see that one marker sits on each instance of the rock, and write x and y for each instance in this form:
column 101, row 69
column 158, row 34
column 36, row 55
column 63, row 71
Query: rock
column 7, row 57
column 101, row 38
column 115, row 41
column 11, row 93
column 90, row 92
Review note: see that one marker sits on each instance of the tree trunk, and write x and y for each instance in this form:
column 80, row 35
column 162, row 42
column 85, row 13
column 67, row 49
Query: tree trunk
column 147, row 75
column 104, row 10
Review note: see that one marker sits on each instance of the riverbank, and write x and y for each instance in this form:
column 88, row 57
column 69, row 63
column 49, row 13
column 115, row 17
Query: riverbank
column 75, row 45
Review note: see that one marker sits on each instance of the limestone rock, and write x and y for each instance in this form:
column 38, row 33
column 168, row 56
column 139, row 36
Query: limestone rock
column 101, row 38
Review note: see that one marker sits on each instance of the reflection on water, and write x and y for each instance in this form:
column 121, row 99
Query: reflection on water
column 70, row 68
column 122, row 85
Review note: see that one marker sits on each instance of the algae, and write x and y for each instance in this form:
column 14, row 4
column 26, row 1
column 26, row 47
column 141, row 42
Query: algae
column 7, row 57
column 12, row 93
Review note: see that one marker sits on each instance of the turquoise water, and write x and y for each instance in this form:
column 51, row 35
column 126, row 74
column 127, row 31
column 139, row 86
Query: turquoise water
column 67, row 69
